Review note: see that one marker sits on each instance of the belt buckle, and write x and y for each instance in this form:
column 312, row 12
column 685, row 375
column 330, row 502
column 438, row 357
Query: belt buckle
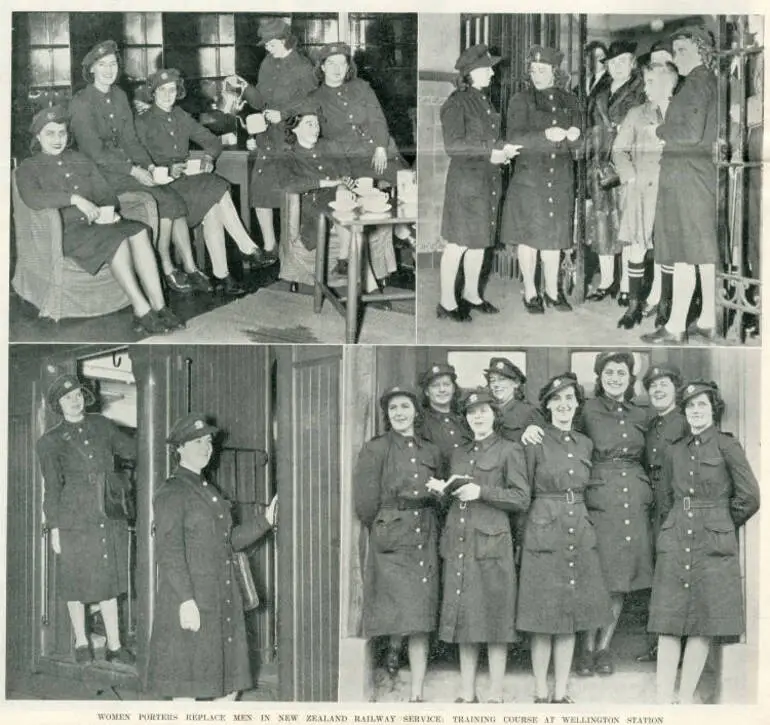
column 463, row 505
column 570, row 496
column 686, row 503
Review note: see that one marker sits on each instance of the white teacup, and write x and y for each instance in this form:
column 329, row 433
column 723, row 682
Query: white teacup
column 192, row 167
column 255, row 123
column 106, row 215
column 375, row 203
column 229, row 139
column 160, row 175
column 364, row 184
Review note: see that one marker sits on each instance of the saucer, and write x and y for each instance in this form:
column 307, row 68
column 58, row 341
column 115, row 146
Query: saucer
column 114, row 219
column 343, row 206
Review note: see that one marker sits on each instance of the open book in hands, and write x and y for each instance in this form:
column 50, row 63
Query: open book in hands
column 451, row 485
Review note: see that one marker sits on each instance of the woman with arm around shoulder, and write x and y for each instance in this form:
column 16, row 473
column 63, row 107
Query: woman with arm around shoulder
column 198, row 646
column 708, row 491
column 561, row 587
column 393, row 502
column 479, row 602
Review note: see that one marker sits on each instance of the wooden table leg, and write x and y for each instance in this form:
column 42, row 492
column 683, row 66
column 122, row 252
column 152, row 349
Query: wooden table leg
column 354, row 278
column 320, row 263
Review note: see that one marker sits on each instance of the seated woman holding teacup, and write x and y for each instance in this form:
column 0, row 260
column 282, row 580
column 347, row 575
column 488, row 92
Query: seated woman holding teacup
column 93, row 233
column 166, row 130
column 316, row 165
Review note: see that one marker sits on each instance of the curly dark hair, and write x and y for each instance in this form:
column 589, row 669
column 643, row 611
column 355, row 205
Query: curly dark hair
column 418, row 416
column 349, row 76
column 706, row 49
column 293, row 121
column 675, row 378
column 181, row 91
column 620, row 357
column 34, row 144
column 498, row 423
column 454, row 403
column 718, row 405
column 580, row 395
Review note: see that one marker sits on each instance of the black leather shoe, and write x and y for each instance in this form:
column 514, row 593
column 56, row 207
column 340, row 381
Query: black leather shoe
column 709, row 334
column 623, row 299
column 457, row 314
column 230, row 287
column 663, row 313
column 484, row 306
column 258, row 258
column 566, row 700
column 461, row 701
column 170, row 320
column 534, row 306
column 83, row 655
column 120, row 656
column 584, row 664
column 632, row 316
column 393, row 662
column 542, row 700
column 560, row 303
column 662, row 336
column 603, row 664
column 651, row 655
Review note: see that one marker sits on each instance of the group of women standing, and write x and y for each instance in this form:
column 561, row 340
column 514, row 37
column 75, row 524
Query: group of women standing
column 549, row 517
column 199, row 647
column 645, row 119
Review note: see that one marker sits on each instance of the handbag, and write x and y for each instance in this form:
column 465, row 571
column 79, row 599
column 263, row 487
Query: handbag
column 245, row 580
column 119, row 503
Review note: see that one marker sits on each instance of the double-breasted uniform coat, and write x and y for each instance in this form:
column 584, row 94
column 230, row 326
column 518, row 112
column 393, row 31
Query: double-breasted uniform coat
column 479, row 602
column 606, row 111
column 540, row 200
column 167, row 136
column 194, row 543
column 352, row 116
column 619, row 494
column 662, row 433
column 709, row 490
column 281, row 83
column 103, row 127
column 561, row 588
column 392, row 501
column 636, row 156
column 686, row 213
column 471, row 130
column 448, row 431
column 75, row 459
column 48, row 182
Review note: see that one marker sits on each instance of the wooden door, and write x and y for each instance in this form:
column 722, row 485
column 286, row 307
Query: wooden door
column 308, row 471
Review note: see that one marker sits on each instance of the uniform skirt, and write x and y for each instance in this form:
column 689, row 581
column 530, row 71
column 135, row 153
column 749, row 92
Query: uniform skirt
column 561, row 587
column 170, row 204
column 93, row 564
column 697, row 587
column 200, row 193
column 267, row 175
column 539, row 221
column 92, row 246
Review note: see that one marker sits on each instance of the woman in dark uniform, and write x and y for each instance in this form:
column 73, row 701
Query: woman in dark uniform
column 58, row 178
column 198, row 646
column 76, row 457
column 708, row 492
column 561, row 588
column 392, row 501
column 479, row 602
column 685, row 228
column 316, row 164
column 506, row 383
column 166, row 131
column 352, row 116
column 103, row 126
column 606, row 111
column 539, row 205
column 471, row 129
column 285, row 77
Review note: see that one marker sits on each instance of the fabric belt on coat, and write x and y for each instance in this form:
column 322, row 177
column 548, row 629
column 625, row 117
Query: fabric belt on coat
column 407, row 505
column 619, row 461
column 566, row 496
column 694, row 503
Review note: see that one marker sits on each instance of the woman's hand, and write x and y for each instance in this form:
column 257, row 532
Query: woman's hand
column 143, row 176
column 555, row 134
column 55, row 541
column 468, row 492
column 189, row 616
column 271, row 513
column 436, row 485
column 380, row 160
column 498, row 156
column 512, row 150
column 177, row 169
column 532, row 436
column 573, row 133
column 89, row 209
column 236, row 81
column 329, row 183
column 141, row 107
column 272, row 116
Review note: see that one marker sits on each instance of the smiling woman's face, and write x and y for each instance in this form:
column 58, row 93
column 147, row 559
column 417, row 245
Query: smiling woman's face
column 53, row 138
column 481, row 419
column 699, row 413
column 401, row 414
column 662, row 394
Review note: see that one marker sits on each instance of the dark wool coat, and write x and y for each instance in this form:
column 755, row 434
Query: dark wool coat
column 561, row 588
column 194, row 544
column 281, row 83
column 167, row 136
column 448, row 431
column 479, row 602
column 352, row 116
column 686, row 212
column 391, row 500
column 48, row 182
column 471, row 129
column 661, row 434
column 540, row 200
column 606, row 111
column 103, row 127
column 619, row 494
column 709, row 491
column 74, row 459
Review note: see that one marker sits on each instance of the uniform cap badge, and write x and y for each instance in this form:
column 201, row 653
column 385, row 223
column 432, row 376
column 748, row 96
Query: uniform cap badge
column 436, row 369
column 67, row 384
column 655, row 371
column 557, row 382
column 198, row 424
column 473, row 398
column 538, row 56
column 690, row 388
column 500, row 365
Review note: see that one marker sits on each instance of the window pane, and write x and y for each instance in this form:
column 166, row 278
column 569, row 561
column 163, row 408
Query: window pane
column 59, row 28
column 154, row 28
column 316, row 30
column 136, row 62
column 208, row 29
column 41, row 67
column 133, row 28
column 227, row 60
column 207, row 63
column 227, row 28
column 62, row 73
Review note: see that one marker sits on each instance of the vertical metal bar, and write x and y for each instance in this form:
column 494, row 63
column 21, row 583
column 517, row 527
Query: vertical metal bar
column 486, row 29
column 44, row 613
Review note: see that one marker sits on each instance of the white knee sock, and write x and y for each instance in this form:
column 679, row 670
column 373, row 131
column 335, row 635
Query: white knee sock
column 528, row 264
column 684, row 286
column 625, row 257
column 550, row 260
column 472, row 263
column 607, row 269
column 708, row 284
column 654, row 297
column 450, row 264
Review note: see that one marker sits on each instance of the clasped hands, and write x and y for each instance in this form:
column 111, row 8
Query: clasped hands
column 556, row 134
column 505, row 154
column 467, row 492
